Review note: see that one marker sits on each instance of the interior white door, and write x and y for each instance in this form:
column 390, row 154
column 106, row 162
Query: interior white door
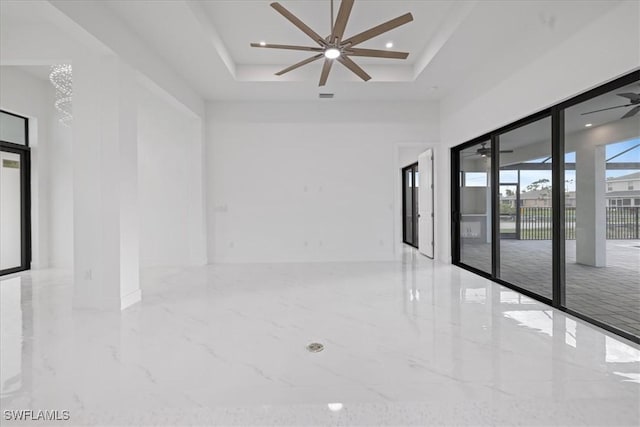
column 425, row 204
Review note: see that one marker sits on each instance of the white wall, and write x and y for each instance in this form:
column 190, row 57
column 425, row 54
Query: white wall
column 309, row 181
column 52, row 218
column 171, row 184
column 170, row 170
column 583, row 61
column 60, row 192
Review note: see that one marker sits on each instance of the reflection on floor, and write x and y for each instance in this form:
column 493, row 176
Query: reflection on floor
column 406, row 343
column 610, row 294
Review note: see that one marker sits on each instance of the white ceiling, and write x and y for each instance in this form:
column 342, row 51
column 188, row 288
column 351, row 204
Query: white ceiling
column 38, row 71
column 262, row 23
column 454, row 46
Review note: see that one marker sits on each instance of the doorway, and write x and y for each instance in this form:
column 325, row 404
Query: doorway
column 425, row 212
column 509, row 210
column 15, row 217
column 410, row 186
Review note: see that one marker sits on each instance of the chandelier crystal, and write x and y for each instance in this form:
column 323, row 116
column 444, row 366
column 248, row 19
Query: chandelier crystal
column 61, row 77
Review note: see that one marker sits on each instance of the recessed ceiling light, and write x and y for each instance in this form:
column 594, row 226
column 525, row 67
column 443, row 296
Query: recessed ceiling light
column 588, row 125
column 332, row 53
column 335, row 407
column 263, row 43
column 389, row 45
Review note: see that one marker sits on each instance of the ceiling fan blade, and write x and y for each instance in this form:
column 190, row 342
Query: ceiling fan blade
column 631, row 112
column 298, row 23
column 341, row 21
column 380, row 29
column 287, row 46
column 374, row 53
column 631, row 96
column 355, row 68
column 605, row 109
column 325, row 71
column 300, row 64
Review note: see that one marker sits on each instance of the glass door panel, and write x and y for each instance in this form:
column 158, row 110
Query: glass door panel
column 525, row 253
column 408, row 206
column 11, row 226
column 602, row 210
column 416, row 201
column 475, row 206
column 410, row 184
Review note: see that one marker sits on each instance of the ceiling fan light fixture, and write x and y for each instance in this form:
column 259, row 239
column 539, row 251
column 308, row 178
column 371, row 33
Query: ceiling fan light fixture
column 332, row 53
column 334, row 46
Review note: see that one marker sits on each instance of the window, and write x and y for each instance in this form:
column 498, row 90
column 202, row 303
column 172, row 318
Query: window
column 15, row 220
column 475, row 179
column 13, row 128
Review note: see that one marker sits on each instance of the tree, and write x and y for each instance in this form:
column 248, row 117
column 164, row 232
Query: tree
column 541, row 184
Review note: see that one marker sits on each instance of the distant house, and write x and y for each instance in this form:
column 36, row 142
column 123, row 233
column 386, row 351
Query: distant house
column 623, row 191
column 536, row 199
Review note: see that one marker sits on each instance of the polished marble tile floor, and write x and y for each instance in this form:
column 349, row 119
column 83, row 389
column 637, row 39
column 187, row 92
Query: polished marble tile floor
column 610, row 294
column 410, row 342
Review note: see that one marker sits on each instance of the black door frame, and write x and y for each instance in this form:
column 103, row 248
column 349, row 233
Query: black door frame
column 414, row 205
column 516, row 233
column 556, row 113
column 25, row 195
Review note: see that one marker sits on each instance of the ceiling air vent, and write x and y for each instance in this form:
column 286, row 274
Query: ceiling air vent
column 325, row 95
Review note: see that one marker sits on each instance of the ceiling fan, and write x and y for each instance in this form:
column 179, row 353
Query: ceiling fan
column 336, row 48
column 634, row 99
column 485, row 151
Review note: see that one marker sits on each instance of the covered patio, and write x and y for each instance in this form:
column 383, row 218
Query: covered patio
column 610, row 293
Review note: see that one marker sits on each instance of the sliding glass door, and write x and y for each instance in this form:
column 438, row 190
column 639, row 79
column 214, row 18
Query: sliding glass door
column 15, row 253
column 602, row 208
column 550, row 206
column 474, row 215
column 410, row 183
column 525, row 257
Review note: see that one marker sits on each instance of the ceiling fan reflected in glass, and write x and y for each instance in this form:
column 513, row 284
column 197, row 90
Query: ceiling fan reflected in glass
column 336, row 48
column 485, row 151
column 634, row 101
